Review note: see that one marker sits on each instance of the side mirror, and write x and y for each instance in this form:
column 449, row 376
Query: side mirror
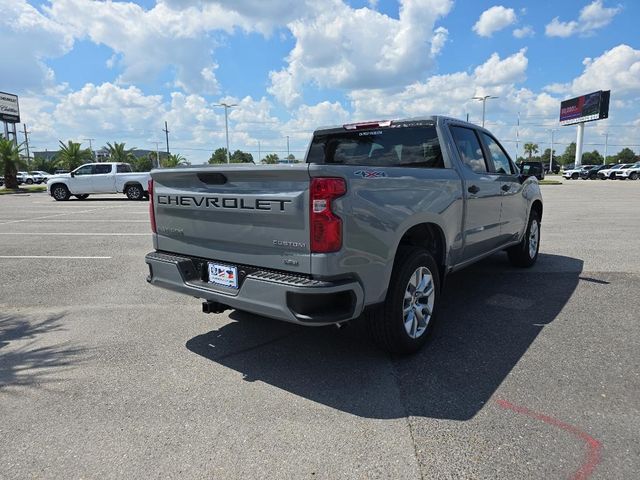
column 72, row 174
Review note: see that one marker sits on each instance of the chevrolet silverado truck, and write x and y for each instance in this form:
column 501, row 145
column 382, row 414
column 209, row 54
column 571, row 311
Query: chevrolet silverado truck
column 99, row 178
column 368, row 227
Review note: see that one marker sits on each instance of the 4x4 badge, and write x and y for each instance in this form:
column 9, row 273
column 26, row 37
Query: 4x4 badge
column 370, row 173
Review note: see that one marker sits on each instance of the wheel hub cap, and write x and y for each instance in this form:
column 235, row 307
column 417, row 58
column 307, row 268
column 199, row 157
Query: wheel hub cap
column 534, row 238
column 419, row 298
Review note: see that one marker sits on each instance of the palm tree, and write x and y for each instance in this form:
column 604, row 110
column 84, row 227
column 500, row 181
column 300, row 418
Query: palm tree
column 10, row 162
column 174, row 161
column 71, row 156
column 531, row 148
column 118, row 152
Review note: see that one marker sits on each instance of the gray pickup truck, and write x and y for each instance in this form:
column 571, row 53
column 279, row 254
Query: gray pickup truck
column 369, row 225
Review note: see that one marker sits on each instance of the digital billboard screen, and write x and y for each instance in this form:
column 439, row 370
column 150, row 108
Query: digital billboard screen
column 585, row 108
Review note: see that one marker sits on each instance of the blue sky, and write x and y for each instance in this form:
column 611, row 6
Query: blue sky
column 115, row 71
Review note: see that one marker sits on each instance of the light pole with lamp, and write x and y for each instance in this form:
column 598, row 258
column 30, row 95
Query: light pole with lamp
column 484, row 101
column 226, row 106
column 552, row 130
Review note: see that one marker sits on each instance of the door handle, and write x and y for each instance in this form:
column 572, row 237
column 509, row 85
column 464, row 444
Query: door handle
column 473, row 189
column 506, row 187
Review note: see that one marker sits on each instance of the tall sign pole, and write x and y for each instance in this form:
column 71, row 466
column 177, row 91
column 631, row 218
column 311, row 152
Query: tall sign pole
column 579, row 140
column 226, row 124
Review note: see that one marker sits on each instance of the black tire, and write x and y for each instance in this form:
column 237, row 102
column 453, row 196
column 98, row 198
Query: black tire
column 633, row 176
column 386, row 323
column 521, row 255
column 60, row 192
column 82, row 196
column 29, row 181
column 134, row 192
column 575, row 176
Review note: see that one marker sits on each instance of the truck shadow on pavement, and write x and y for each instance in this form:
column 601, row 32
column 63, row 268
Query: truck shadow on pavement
column 490, row 315
column 30, row 363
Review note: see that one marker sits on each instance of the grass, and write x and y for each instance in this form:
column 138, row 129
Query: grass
column 549, row 182
column 35, row 188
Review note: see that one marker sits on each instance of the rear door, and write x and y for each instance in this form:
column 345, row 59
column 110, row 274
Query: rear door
column 103, row 178
column 483, row 192
column 255, row 216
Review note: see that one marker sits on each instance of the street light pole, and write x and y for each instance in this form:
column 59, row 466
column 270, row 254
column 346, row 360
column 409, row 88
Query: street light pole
column 484, row 102
column 226, row 123
column 552, row 130
column 606, row 145
column 93, row 156
column 288, row 159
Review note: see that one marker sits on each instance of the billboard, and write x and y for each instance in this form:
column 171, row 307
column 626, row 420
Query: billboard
column 9, row 111
column 586, row 108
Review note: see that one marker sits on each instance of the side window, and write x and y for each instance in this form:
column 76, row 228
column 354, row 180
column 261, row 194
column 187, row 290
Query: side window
column 123, row 168
column 500, row 159
column 86, row 170
column 101, row 169
column 469, row 148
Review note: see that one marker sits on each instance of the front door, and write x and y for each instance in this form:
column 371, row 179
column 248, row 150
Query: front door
column 81, row 181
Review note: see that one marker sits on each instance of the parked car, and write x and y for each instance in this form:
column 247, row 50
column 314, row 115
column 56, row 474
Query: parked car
column 532, row 169
column 609, row 173
column 39, row 176
column 371, row 224
column 25, row 177
column 99, row 178
column 575, row 173
column 556, row 167
column 631, row 172
column 592, row 173
column 60, row 171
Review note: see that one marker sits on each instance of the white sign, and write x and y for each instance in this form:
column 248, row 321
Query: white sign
column 9, row 110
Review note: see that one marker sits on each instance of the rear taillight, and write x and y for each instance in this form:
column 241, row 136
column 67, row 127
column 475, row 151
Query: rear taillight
column 152, row 211
column 326, row 228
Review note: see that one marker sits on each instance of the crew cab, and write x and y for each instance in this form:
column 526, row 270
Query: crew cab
column 370, row 225
column 630, row 172
column 99, row 178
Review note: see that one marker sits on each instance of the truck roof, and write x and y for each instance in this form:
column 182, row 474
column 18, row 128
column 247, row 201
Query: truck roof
column 388, row 122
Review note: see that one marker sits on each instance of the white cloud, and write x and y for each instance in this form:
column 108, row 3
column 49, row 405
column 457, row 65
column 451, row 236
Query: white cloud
column 524, row 32
column 28, row 40
column 494, row 19
column 498, row 72
column 592, row 17
column 342, row 47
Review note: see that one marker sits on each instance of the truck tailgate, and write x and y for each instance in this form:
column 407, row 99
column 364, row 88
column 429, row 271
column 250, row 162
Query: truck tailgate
column 247, row 215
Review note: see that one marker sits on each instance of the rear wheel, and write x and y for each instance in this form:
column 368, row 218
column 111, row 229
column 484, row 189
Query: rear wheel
column 525, row 253
column 83, row 196
column 403, row 322
column 134, row 192
column 60, row 192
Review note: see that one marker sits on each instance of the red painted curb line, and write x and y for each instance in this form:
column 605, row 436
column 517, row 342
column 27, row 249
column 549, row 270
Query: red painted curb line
column 594, row 446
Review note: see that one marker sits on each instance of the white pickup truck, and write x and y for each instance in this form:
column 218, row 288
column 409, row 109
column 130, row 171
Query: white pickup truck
column 99, row 178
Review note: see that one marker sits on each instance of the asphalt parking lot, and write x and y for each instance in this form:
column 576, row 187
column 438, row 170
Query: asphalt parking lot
column 530, row 374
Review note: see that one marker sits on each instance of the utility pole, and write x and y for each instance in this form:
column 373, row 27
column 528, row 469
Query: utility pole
column 26, row 142
column 226, row 123
column 166, row 133
column 288, row 159
column 93, row 155
column 518, row 137
column 259, row 152
column 484, row 102
column 552, row 130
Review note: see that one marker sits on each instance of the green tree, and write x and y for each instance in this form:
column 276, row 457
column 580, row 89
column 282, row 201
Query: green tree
column 44, row 163
column 531, row 148
column 625, row 155
column 71, row 156
column 10, row 162
column 546, row 155
column 219, row 156
column 174, row 161
column 592, row 158
column 119, row 153
column 241, row 157
column 271, row 158
column 144, row 163
column 569, row 155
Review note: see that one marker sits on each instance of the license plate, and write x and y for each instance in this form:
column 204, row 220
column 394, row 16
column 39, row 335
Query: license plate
column 224, row 275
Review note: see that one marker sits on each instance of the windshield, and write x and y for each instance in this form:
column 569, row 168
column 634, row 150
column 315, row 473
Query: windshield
column 415, row 146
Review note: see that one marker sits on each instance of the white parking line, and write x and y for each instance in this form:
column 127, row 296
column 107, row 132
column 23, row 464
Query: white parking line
column 31, row 219
column 58, row 257
column 93, row 221
column 79, row 234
